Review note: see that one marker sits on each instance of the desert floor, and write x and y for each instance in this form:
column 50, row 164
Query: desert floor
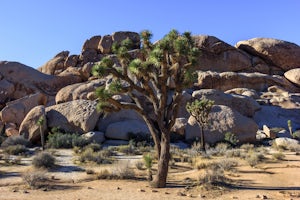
column 268, row 180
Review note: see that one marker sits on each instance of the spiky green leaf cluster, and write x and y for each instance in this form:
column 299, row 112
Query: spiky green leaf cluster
column 103, row 94
column 200, row 109
column 101, row 68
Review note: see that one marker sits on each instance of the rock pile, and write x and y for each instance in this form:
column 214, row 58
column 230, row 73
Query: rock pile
column 254, row 84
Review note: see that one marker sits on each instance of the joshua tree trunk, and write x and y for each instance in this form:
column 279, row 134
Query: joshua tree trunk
column 160, row 178
column 42, row 138
column 202, row 139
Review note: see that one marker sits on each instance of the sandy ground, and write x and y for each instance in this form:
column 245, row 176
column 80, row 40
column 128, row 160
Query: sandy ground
column 278, row 180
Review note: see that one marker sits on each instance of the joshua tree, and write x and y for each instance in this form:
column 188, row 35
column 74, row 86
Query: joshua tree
column 154, row 80
column 200, row 109
column 40, row 122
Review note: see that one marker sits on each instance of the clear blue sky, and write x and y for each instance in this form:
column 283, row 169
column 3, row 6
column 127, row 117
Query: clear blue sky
column 33, row 31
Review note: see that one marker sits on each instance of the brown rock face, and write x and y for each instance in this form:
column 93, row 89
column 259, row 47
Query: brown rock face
column 77, row 91
column 229, row 80
column 92, row 43
column 55, row 65
column 282, row 54
column 77, row 116
column 219, row 56
column 29, row 127
column 105, row 44
column 293, row 75
column 16, row 111
column 27, row 80
column 118, row 37
column 244, row 105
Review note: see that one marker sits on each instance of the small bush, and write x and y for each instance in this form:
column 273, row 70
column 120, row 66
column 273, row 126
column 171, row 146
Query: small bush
column 104, row 174
column 43, row 160
column 253, row 158
column 231, row 138
column 15, row 149
column 219, row 150
column 35, row 179
column 65, row 140
column 15, row 140
column 247, row 147
column 227, row 164
column 121, row 170
column 89, row 155
column 278, row 156
column 89, row 171
column 213, row 176
column 233, row 153
column 296, row 135
column 139, row 165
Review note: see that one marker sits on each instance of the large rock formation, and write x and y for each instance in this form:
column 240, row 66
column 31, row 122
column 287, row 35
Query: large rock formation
column 219, row 56
column 222, row 120
column 229, row 80
column 26, row 80
column 15, row 111
column 258, row 70
column 243, row 104
column 30, row 128
column 277, row 52
column 79, row 116
column 78, row 91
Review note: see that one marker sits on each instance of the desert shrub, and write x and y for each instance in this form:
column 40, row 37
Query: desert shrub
column 89, row 155
column 15, row 149
column 231, row 138
column 247, row 147
column 219, row 150
column 35, row 179
column 94, row 146
column 126, row 149
column 89, row 171
column 65, row 140
column 214, row 175
column 2, row 139
column 139, row 165
column 43, row 160
column 122, row 170
column 296, row 135
column 15, row 140
column 104, row 174
column 278, row 156
column 230, row 153
column 254, row 158
column 227, row 164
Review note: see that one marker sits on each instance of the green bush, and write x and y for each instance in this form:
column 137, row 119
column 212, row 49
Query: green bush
column 15, row 149
column 89, row 155
column 231, row 138
column 65, row 140
column 43, row 160
column 15, row 140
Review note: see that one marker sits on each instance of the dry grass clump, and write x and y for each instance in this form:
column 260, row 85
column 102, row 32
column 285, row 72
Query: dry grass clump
column 253, row 158
column 35, row 179
column 214, row 175
column 15, row 149
column 43, row 160
column 278, row 156
column 15, row 140
column 99, row 157
column 120, row 170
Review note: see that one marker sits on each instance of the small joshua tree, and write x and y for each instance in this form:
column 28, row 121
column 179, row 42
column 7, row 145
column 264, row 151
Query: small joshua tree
column 40, row 123
column 148, row 160
column 289, row 122
column 200, row 109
